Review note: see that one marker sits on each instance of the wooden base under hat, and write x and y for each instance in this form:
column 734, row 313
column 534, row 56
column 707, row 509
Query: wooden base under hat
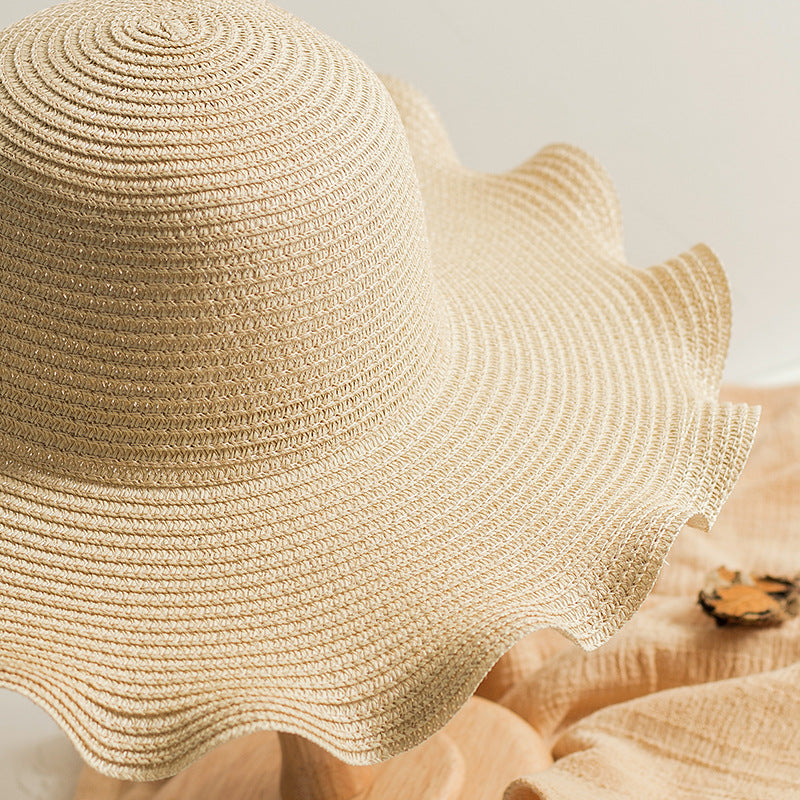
column 482, row 749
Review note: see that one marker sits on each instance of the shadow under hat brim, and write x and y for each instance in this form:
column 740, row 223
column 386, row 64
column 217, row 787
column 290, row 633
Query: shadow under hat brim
column 539, row 480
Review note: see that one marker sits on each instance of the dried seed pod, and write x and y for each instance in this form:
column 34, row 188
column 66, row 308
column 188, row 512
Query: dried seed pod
column 749, row 599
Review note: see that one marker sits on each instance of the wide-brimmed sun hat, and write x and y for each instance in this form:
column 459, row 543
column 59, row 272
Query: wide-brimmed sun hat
column 303, row 423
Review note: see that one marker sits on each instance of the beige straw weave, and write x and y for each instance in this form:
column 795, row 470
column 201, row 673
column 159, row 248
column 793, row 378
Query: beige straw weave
column 302, row 423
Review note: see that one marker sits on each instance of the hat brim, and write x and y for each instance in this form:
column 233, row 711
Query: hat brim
column 573, row 428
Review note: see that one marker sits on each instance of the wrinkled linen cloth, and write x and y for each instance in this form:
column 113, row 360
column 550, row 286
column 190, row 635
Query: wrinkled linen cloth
column 674, row 706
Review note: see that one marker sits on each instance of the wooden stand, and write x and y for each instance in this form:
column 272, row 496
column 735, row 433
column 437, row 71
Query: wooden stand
column 474, row 757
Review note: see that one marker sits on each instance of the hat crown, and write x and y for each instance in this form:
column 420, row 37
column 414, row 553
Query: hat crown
column 213, row 257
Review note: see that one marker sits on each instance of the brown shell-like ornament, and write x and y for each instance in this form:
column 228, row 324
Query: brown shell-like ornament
column 733, row 596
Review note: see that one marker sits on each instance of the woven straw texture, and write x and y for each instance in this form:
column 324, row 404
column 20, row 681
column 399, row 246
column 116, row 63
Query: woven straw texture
column 303, row 423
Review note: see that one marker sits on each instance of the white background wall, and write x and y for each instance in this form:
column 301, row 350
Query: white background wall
column 693, row 106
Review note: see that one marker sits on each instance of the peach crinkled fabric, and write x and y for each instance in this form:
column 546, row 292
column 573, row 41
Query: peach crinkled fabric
column 673, row 707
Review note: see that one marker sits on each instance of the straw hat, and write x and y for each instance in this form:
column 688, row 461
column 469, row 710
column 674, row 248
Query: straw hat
column 303, row 423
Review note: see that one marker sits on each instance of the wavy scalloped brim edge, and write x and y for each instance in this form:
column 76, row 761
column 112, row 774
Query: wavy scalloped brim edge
column 736, row 438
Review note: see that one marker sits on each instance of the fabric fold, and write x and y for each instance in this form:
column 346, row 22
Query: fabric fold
column 674, row 706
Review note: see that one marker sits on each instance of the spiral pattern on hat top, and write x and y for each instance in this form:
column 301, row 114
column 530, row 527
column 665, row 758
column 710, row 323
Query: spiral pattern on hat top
column 212, row 222
column 531, row 420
